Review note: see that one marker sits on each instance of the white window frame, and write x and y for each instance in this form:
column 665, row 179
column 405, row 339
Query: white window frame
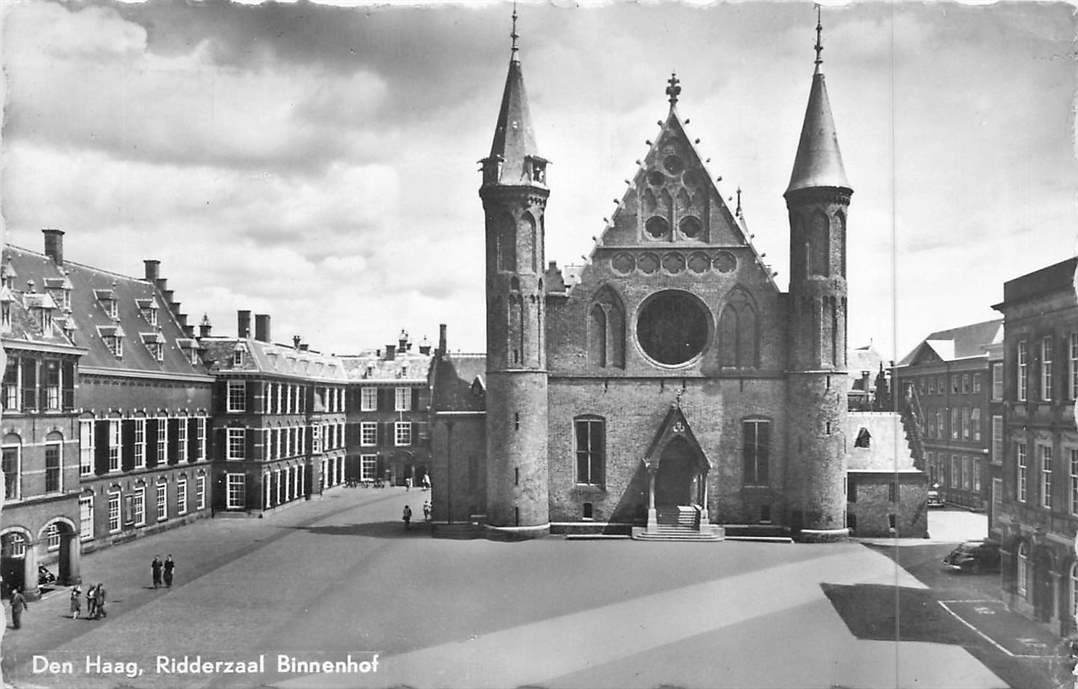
column 1021, row 462
column 181, row 439
column 997, row 381
column 402, row 433
column 114, row 520
column 52, row 537
column 86, row 517
column 997, row 439
column 402, row 399
column 200, row 492
column 976, row 475
column 138, row 505
column 368, row 433
column 162, row 440
column 140, row 443
column 59, row 446
column 1021, row 582
column 1074, row 480
column 161, row 499
column 1022, row 359
column 200, row 429
column 237, row 396
column 115, row 440
column 181, row 495
column 236, row 438
column 235, row 487
column 1072, row 392
column 1046, row 476
column 1047, row 353
column 368, row 467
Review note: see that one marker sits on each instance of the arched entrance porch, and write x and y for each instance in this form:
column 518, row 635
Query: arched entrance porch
column 58, row 546
column 677, row 472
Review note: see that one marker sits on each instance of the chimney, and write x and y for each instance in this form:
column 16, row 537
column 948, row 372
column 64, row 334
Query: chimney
column 424, row 346
column 402, row 341
column 54, row 245
column 204, row 326
column 296, row 339
column 391, row 352
column 153, row 270
column 303, row 347
column 188, row 330
column 175, row 308
column 162, row 284
column 262, row 327
column 181, row 317
column 243, row 323
column 167, row 294
column 441, row 340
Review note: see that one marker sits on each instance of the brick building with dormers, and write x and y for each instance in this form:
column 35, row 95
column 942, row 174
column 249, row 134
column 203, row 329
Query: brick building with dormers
column 141, row 396
column 388, row 402
column 39, row 525
column 279, row 419
column 674, row 385
column 951, row 377
column 1038, row 512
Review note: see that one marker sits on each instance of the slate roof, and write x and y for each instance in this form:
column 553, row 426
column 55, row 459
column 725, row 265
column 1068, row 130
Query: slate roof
column 267, row 358
column 964, row 342
column 372, row 366
column 459, row 383
column 888, row 450
column 91, row 318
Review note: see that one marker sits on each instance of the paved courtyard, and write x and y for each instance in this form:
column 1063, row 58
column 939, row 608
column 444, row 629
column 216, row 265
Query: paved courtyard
column 340, row 576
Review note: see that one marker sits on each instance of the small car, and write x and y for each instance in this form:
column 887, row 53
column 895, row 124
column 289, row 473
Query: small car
column 934, row 497
column 974, row 556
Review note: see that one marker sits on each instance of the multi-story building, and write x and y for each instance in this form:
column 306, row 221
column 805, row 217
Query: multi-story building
column 141, row 397
column 1038, row 513
column 388, row 402
column 996, row 451
column 40, row 521
column 279, row 418
column 950, row 375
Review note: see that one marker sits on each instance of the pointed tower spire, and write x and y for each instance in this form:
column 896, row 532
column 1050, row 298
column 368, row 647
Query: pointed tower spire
column 514, row 157
column 818, row 162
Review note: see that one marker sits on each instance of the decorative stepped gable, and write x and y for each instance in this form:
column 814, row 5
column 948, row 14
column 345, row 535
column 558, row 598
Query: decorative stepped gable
column 672, row 202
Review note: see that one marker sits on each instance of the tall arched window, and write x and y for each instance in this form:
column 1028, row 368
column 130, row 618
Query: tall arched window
column 505, row 237
column 819, row 245
column 738, row 331
column 12, row 466
column 590, row 434
column 529, row 244
column 1022, row 578
column 606, row 330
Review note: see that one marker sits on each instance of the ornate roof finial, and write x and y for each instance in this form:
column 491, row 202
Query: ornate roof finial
column 514, row 35
column 674, row 89
column 738, row 211
column 819, row 44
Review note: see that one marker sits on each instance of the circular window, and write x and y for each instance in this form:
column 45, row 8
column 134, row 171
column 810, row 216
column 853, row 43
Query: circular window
column 656, row 178
column 624, row 263
column 695, row 178
column 690, row 226
column 657, row 227
column 648, row 264
column 673, row 164
column 725, row 262
column 672, row 327
column 674, row 263
column 699, row 262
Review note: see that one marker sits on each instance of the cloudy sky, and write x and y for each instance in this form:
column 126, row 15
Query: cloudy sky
column 319, row 163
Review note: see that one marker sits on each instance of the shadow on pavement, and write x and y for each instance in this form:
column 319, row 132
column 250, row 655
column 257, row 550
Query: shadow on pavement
column 394, row 529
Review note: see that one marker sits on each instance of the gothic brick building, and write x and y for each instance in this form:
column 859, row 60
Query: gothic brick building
column 674, row 383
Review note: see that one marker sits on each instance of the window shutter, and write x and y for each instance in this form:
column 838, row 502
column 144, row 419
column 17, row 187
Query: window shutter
column 220, row 395
column 69, row 385
column 101, row 447
column 127, row 452
column 173, row 440
column 250, row 388
column 415, row 399
column 249, row 441
column 192, row 439
column 151, row 443
column 385, row 399
column 29, row 384
column 388, row 436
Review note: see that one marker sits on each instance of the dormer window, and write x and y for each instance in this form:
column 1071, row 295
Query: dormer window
column 5, row 314
column 238, row 357
column 155, row 343
column 107, row 297
column 112, row 336
column 46, row 320
column 151, row 315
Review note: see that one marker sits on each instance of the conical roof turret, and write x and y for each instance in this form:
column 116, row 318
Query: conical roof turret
column 818, row 162
column 514, row 139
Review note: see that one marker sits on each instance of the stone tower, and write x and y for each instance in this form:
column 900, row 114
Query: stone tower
column 817, row 199
column 514, row 195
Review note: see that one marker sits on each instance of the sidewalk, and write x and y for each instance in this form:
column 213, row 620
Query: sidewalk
column 198, row 549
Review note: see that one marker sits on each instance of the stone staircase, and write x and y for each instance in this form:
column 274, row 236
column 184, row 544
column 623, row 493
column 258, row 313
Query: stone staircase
column 679, row 523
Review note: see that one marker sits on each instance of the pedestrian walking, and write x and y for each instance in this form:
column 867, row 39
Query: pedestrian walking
column 155, row 567
column 18, row 604
column 407, row 517
column 99, row 610
column 426, row 481
column 426, row 511
column 91, row 602
column 407, row 484
column 76, row 601
column 170, row 567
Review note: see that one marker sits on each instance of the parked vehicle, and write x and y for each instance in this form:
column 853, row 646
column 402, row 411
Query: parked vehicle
column 974, row 556
column 44, row 576
column 934, row 497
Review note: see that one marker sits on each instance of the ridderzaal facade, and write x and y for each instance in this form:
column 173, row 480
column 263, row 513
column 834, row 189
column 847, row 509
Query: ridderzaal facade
column 671, row 385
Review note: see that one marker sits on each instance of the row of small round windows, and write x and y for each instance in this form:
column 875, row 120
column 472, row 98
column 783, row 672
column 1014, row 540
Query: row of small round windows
column 673, row 262
column 674, row 168
column 658, row 227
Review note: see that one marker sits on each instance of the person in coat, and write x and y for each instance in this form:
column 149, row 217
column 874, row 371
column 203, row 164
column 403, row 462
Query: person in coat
column 18, row 604
column 407, row 517
column 76, row 601
column 91, row 602
column 170, row 567
column 155, row 567
column 99, row 608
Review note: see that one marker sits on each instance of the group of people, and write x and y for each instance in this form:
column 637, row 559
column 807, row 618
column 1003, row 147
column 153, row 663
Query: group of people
column 95, row 603
column 168, row 567
column 407, row 515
